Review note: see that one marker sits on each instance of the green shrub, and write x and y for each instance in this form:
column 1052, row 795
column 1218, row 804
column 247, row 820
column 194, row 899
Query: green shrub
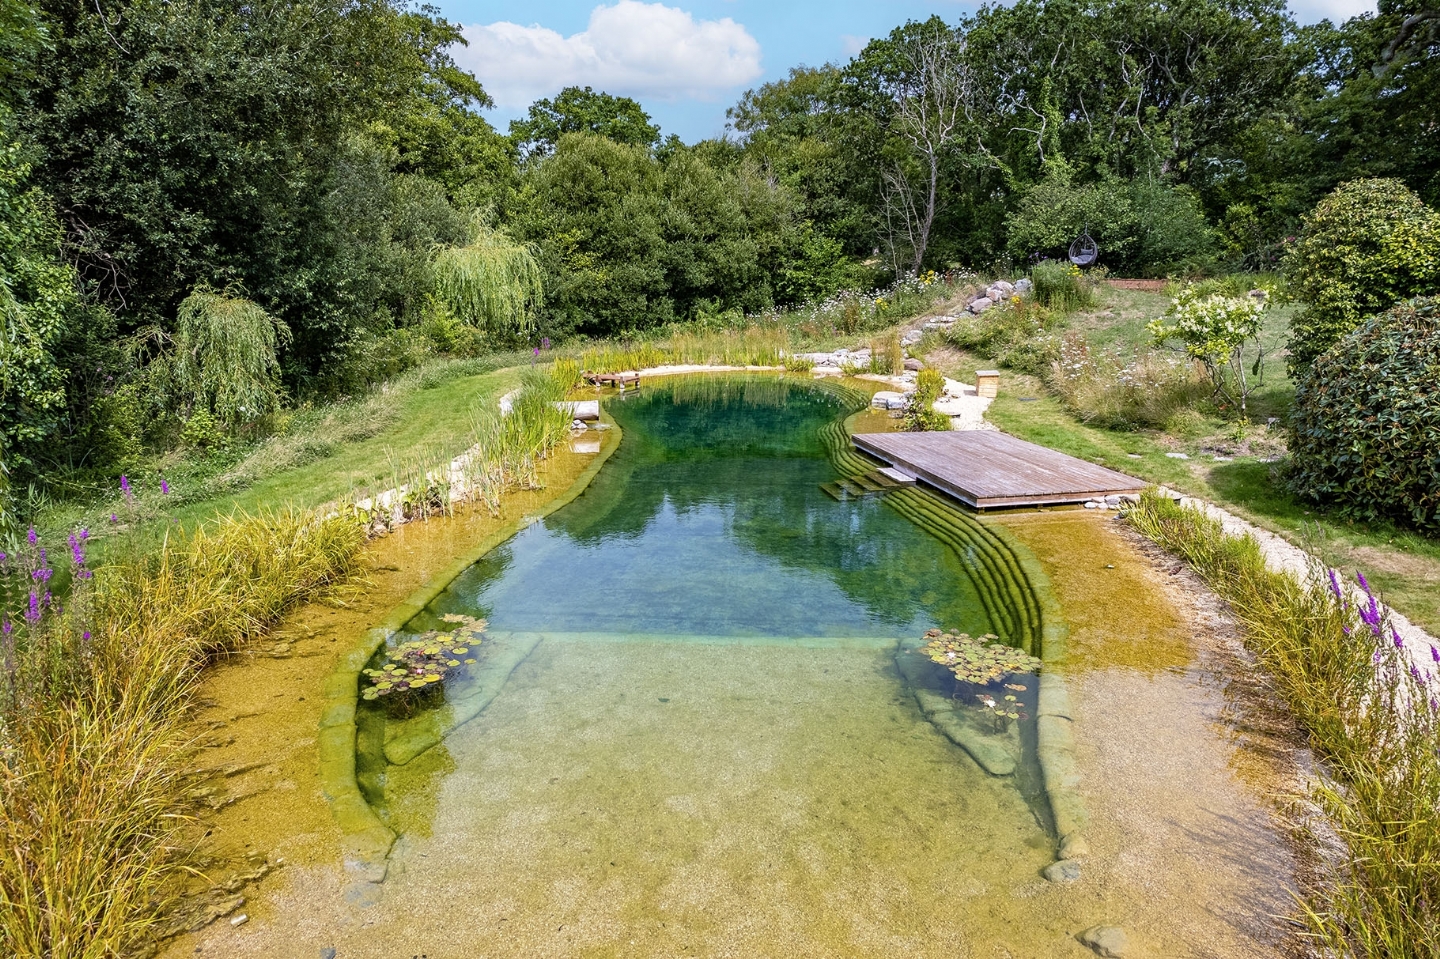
column 921, row 415
column 1365, row 429
column 1142, row 227
column 1060, row 286
column 1365, row 247
column 1017, row 335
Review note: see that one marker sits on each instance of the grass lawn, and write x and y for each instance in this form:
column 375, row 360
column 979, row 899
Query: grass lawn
column 420, row 420
column 1403, row 565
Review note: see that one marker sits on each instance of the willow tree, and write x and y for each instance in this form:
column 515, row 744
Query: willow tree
column 493, row 284
column 224, row 357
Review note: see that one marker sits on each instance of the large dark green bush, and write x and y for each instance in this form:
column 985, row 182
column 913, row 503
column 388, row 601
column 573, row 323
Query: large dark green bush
column 1365, row 431
column 1143, row 227
column 1366, row 246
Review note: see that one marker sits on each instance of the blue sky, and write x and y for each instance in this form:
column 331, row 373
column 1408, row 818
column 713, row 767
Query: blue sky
column 687, row 60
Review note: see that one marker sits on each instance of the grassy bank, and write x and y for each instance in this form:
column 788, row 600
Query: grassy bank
column 1239, row 466
column 1370, row 717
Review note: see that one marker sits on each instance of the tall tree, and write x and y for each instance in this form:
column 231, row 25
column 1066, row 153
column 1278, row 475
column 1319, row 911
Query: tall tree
column 578, row 110
column 923, row 70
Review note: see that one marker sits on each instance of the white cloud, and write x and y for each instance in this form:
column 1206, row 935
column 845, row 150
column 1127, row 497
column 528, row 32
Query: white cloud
column 1337, row 11
column 631, row 48
column 852, row 45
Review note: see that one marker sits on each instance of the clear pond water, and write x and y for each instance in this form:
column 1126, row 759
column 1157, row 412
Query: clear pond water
column 709, row 521
column 706, row 748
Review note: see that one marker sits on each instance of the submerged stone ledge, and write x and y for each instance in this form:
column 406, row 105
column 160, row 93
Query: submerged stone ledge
column 366, row 840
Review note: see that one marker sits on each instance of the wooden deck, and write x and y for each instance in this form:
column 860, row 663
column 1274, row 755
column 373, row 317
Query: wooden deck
column 985, row 469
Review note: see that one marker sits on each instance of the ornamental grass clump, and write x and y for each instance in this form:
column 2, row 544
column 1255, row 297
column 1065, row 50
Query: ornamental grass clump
column 95, row 758
column 1371, row 709
column 424, row 663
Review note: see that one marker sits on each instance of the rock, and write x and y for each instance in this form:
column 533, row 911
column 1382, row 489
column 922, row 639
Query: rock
column 1130, row 497
column 981, row 305
column 1004, row 286
column 1176, row 456
column 1107, row 941
column 1259, row 294
column 1065, row 870
column 1112, row 500
column 327, row 953
column 899, row 403
column 1091, row 504
column 911, row 337
column 1024, row 286
column 884, row 398
column 1074, row 846
column 913, row 364
column 240, row 920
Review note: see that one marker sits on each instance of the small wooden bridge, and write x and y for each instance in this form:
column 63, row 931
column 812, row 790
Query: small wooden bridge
column 985, row 469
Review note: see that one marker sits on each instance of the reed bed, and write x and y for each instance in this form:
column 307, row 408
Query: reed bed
column 1371, row 714
column 94, row 760
column 744, row 346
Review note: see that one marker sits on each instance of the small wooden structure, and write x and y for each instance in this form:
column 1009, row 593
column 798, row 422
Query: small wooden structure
column 987, row 383
column 986, row 469
column 628, row 378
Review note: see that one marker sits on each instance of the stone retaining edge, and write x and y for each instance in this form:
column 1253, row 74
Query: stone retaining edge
column 366, row 840
column 1054, row 721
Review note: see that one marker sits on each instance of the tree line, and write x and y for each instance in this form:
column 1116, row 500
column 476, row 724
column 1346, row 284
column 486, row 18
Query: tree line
column 208, row 206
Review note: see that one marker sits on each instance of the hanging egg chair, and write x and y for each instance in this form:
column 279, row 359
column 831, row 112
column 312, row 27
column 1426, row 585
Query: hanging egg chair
column 1084, row 252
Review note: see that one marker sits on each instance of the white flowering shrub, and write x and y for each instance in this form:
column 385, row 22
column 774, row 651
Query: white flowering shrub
column 1222, row 333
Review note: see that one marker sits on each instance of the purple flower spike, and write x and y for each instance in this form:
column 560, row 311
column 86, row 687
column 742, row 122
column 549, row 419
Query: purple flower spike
column 32, row 536
column 1335, row 585
column 125, row 484
column 164, row 487
column 1399, row 643
column 7, row 627
column 114, row 518
column 86, row 635
column 1416, row 673
column 1360, row 578
column 1435, row 653
column 84, row 534
column 32, row 613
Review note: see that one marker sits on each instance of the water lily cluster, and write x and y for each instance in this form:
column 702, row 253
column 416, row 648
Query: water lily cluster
column 980, row 660
column 424, row 662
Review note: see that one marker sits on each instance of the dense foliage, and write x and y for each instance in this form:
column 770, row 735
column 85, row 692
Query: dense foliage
column 1366, row 246
column 329, row 163
column 1365, row 431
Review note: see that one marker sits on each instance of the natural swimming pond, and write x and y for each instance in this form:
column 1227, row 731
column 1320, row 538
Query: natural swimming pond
column 700, row 739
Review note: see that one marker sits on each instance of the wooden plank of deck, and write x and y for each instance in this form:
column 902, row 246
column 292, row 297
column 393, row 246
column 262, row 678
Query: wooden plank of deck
column 987, row 469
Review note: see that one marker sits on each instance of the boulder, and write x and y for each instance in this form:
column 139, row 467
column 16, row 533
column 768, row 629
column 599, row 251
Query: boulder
column 1004, row 286
column 1024, row 286
column 1107, row 941
column 1063, row 871
column 981, row 305
column 913, row 364
column 885, row 398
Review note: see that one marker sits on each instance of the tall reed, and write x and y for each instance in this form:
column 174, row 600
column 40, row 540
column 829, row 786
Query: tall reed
column 1371, row 714
column 94, row 771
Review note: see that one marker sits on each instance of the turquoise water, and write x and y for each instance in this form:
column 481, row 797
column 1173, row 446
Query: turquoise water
column 709, row 520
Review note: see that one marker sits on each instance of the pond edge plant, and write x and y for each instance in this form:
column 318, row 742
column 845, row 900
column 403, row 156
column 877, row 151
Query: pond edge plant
column 1371, row 714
